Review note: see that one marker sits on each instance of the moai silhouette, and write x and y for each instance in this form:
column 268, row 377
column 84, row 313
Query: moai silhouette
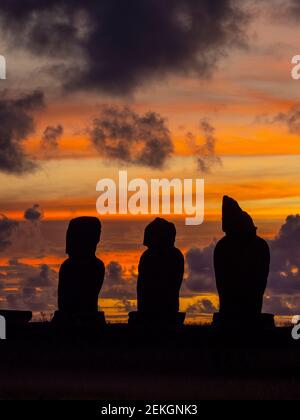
column 161, row 270
column 81, row 276
column 242, row 262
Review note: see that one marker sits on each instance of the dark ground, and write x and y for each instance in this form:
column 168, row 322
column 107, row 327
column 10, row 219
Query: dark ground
column 192, row 363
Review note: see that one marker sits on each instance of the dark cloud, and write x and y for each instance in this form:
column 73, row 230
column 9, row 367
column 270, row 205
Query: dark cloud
column 33, row 214
column 207, row 157
column 126, row 306
column 200, row 271
column 16, row 124
column 291, row 118
column 118, row 284
column 292, row 9
column 203, row 306
column 51, row 137
column 284, row 276
column 125, row 44
column 282, row 305
column 206, row 153
column 29, row 288
column 42, row 279
column 123, row 135
column 7, row 227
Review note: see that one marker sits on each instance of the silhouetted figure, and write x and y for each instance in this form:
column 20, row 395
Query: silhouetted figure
column 161, row 270
column 242, row 262
column 81, row 276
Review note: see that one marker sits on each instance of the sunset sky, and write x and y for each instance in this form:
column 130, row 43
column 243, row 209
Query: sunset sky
column 212, row 79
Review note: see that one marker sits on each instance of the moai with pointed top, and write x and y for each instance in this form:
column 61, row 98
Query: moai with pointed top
column 241, row 262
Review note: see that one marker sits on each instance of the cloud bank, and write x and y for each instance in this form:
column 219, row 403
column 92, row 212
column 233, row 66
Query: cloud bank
column 37, row 285
column 124, row 45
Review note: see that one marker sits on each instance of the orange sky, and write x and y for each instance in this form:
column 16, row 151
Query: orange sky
column 260, row 158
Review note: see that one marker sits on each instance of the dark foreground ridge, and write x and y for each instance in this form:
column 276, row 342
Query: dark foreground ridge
column 120, row 362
